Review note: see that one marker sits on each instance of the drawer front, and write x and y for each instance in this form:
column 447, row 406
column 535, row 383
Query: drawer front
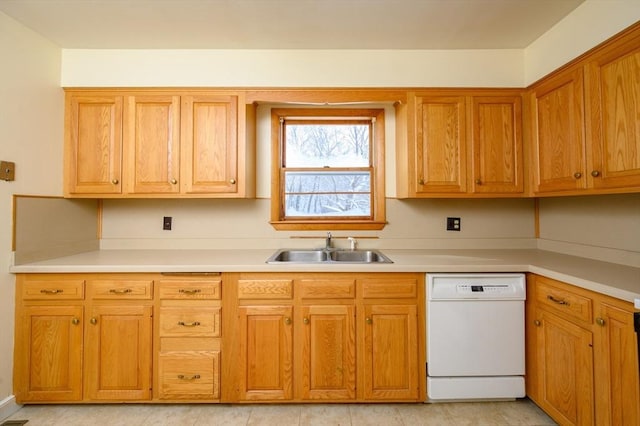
column 189, row 375
column 120, row 289
column 190, row 290
column 180, row 321
column 562, row 301
column 389, row 288
column 327, row 289
column 265, row 289
column 52, row 289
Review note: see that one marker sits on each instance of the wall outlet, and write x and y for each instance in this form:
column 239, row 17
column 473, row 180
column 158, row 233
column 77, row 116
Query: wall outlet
column 454, row 224
column 166, row 223
column 7, row 170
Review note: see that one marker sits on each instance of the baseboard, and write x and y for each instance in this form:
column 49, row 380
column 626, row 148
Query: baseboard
column 8, row 406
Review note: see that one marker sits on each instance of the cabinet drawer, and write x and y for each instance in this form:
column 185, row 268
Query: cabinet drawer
column 120, row 289
column 563, row 301
column 189, row 375
column 189, row 322
column 52, row 289
column 265, row 289
column 327, row 289
column 190, row 290
column 386, row 288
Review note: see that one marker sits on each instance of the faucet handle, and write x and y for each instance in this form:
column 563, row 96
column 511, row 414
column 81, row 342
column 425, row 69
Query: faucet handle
column 354, row 242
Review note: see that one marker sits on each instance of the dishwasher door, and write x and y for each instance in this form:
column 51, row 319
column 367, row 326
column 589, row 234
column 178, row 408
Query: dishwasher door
column 475, row 338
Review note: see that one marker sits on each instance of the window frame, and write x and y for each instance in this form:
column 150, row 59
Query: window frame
column 377, row 162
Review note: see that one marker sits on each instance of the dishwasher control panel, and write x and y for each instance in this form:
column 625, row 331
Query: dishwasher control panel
column 497, row 286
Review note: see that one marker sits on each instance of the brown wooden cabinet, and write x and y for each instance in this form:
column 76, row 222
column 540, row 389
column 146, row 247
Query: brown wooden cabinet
column 460, row 143
column 306, row 337
column 159, row 143
column 188, row 338
column 584, row 123
column 582, row 356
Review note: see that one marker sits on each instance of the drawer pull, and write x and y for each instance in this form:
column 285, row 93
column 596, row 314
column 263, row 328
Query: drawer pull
column 51, row 291
column 189, row 324
column 189, row 291
column 183, row 377
column 558, row 301
column 120, row 290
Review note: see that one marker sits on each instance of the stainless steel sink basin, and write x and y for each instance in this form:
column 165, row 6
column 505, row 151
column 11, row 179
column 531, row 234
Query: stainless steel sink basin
column 327, row 256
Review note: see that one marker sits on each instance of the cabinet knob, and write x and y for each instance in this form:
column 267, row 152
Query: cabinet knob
column 420, row 181
column 600, row 321
column 115, row 181
column 287, row 320
column 232, row 181
column 305, row 320
column 93, row 320
column 173, row 181
column 595, row 173
column 75, row 321
column 537, row 323
column 577, row 175
column 368, row 320
column 478, row 182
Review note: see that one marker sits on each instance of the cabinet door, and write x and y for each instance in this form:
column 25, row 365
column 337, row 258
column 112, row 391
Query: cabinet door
column 390, row 352
column 152, row 141
column 48, row 354
column 118, row 343
column 565, row 356
column 93, row 145
column 497, row 164
column 559, row 147
column 266, row 353
column 440, row 144
column 209, row 144
column 328, row 352
column 617, row 394
column 613, row 94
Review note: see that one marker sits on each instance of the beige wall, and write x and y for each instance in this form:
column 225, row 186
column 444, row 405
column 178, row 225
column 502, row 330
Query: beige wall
column 31, row 127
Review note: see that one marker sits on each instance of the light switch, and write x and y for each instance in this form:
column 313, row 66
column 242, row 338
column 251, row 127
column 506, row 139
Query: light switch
column 7, row 170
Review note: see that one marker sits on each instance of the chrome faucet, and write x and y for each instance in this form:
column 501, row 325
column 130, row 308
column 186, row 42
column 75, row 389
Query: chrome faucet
column 327, row 244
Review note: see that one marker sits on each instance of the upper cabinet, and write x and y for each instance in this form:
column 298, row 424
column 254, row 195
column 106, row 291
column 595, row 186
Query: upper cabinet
column 584, row 121
column 460, row 143
column 159, row 144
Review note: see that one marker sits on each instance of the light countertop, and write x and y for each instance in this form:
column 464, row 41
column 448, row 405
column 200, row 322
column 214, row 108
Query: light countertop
column 615, row 280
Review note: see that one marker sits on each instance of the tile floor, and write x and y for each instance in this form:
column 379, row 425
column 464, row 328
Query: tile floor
column 521, row 412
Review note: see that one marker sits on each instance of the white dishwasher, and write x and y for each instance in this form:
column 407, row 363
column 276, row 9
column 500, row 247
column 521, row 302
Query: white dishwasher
column 475, row 336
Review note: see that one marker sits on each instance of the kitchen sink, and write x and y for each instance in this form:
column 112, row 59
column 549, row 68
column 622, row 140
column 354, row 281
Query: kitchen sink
column 327, row 256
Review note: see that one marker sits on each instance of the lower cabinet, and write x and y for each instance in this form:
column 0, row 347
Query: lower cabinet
column 582, row 360
column 323, row 337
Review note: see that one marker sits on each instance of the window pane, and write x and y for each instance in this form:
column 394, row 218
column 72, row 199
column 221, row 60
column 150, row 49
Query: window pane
column 317, row 181
column 327, row 205
column 327, row 145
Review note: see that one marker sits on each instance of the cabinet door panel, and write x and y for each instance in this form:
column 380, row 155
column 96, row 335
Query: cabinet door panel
column 93, row 149
column 566, row 357
column 558, row 113
column 441, row 139
column 266, row 353
column 152, row 135
column 209, row 129
column 497, row 145
column 614, row 94
column 118, row 341
column 391, row 352
column 328, row 352
column 618, row 393
column 48, row 360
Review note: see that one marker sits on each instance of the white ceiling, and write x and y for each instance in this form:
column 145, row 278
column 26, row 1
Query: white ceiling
column 290, row 24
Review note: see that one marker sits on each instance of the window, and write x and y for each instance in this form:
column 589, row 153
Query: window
column 328, row 169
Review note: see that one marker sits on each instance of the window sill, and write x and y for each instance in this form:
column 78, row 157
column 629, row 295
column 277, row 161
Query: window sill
column 321, row 225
